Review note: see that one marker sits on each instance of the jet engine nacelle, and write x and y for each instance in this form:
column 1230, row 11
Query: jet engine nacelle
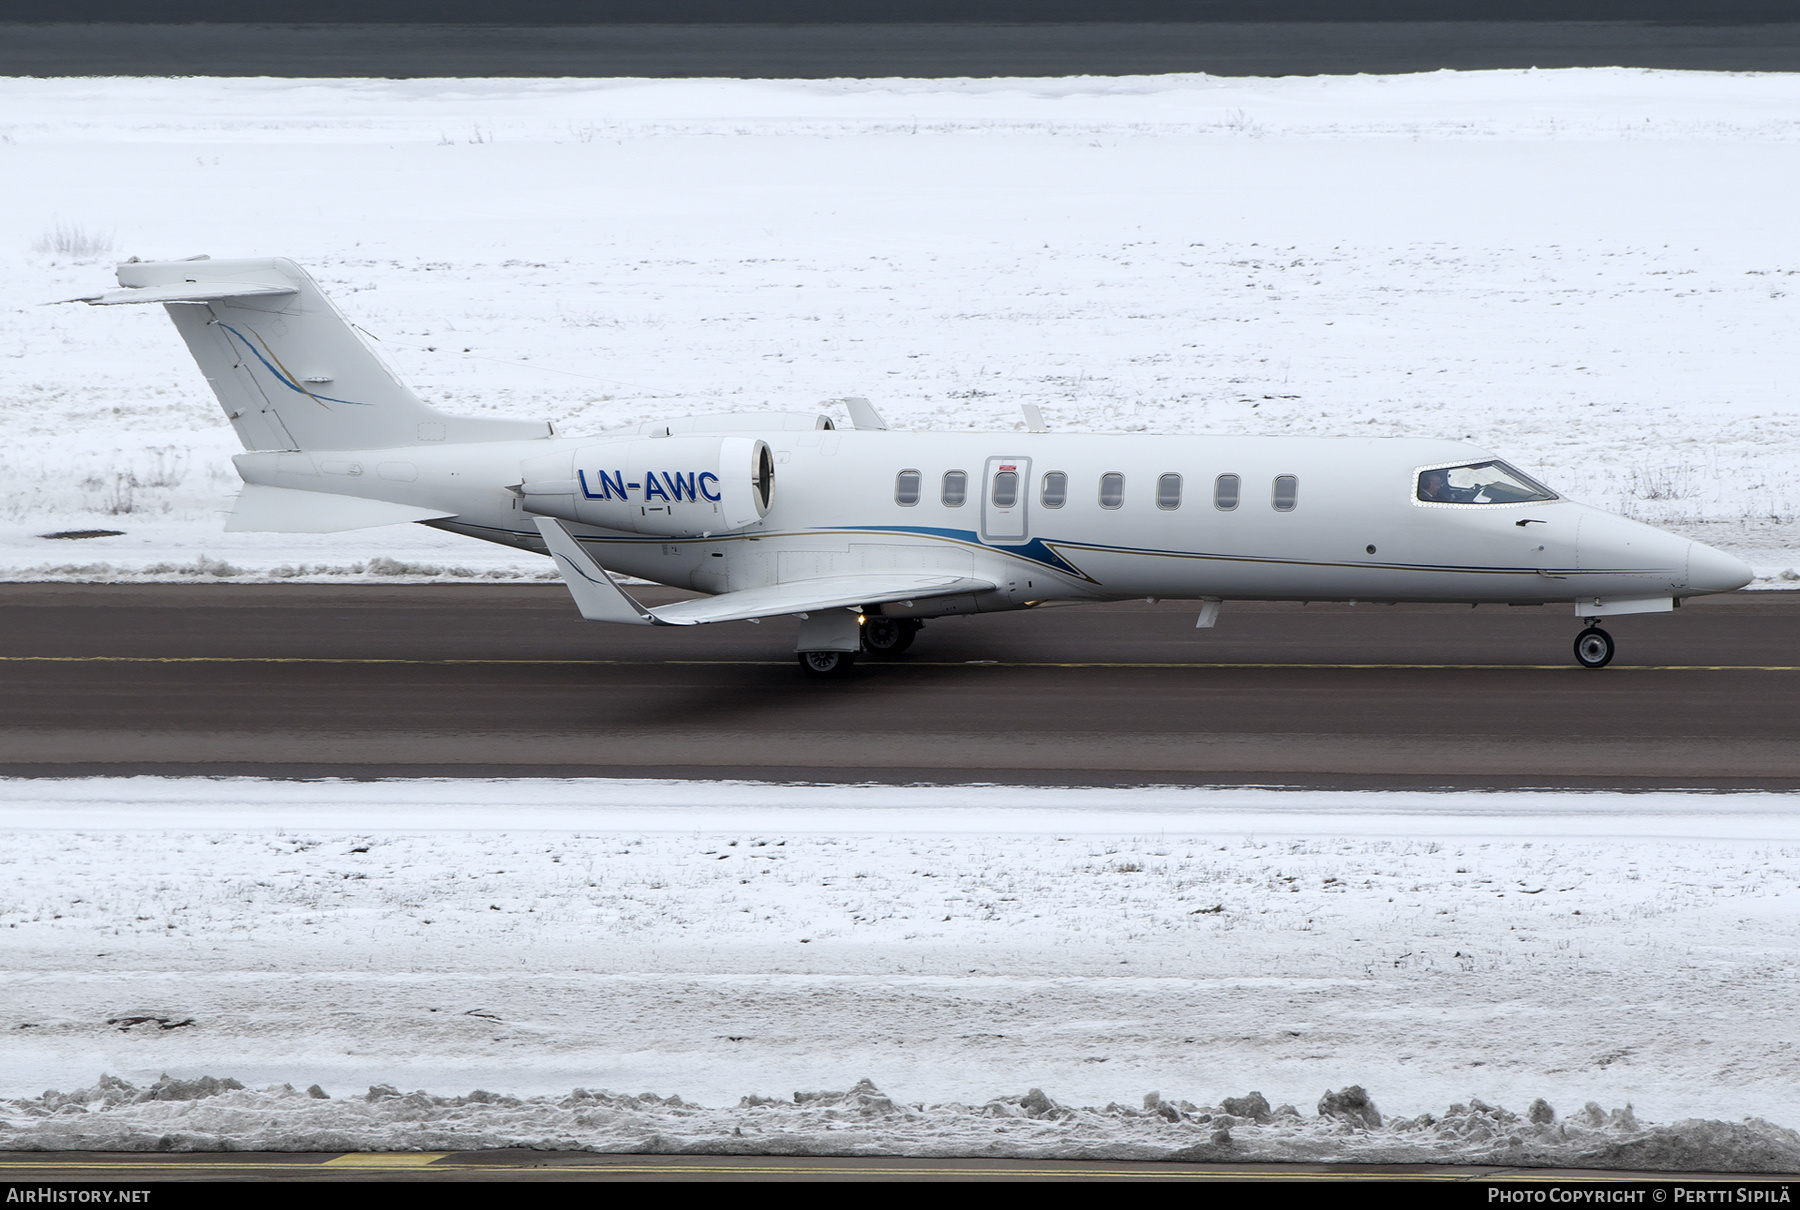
column 673, row 486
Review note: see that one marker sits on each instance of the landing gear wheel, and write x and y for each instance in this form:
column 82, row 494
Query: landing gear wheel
column 1593, row 648
column 827, row 665
column 885, row 638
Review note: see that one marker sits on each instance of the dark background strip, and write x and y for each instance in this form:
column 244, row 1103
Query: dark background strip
column 948, row 49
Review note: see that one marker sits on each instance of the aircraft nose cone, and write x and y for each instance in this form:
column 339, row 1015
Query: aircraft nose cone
column 1712, row 570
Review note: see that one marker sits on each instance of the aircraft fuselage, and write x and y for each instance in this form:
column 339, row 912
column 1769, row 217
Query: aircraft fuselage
column 1131, row 516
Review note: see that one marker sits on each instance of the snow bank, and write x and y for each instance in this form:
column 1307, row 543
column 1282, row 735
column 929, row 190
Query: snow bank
column 221, row 1115
column 1590, row 271
column 204, row 569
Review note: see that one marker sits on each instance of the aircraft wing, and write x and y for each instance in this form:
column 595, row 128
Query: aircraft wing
column 602, row 600
column 826, row 592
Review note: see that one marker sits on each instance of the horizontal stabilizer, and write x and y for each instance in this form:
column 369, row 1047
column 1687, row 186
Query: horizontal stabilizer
column 286, row 510
column 184, row 292
column 827, row 592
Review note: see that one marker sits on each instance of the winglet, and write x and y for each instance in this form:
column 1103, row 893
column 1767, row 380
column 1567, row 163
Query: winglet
column 598, row 598
column 863, row 414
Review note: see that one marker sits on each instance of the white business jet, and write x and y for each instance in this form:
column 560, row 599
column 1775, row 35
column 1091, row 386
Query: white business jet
column 864, row 533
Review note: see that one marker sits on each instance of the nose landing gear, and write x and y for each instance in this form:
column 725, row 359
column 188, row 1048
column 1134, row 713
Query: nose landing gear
column 1593, row 648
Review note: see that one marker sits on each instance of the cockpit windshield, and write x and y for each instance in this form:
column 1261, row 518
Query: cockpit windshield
column 1480, row 483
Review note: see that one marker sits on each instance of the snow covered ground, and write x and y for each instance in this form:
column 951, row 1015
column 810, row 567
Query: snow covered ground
column 926, row 956
column 1589, row 271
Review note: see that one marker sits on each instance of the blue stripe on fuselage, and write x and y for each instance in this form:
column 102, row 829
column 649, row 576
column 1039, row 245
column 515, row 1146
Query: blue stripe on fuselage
column 1035, row 550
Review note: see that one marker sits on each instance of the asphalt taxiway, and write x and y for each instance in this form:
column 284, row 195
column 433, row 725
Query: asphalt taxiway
column 508, row 680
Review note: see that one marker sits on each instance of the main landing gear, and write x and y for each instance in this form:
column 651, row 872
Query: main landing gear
column 885, row 638
column 880, row 638
column 1593, row 648
column 827, row 665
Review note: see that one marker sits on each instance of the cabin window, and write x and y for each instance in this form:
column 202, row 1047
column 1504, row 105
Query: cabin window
column 1168, row 492
column 1286, row 493
column 1006, row 489
column 906, row 488
column 956, row 488
column 1225, row 492
column 1112, row 489
column 1480, row 483
column 1056, row 490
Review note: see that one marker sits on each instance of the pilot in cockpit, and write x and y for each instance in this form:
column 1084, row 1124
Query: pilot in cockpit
column 1434, row 486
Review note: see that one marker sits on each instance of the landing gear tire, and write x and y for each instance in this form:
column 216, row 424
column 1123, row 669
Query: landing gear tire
column 885, row 638
column 1593, row 648
column 827, row 665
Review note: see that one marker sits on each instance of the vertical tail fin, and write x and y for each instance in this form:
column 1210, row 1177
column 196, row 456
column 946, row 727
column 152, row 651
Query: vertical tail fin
column 288, row 368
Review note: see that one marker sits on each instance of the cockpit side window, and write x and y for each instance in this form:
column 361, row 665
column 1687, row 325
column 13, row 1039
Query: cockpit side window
column 1480, row 483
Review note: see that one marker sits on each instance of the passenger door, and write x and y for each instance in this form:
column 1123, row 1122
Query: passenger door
column 1005, row 491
